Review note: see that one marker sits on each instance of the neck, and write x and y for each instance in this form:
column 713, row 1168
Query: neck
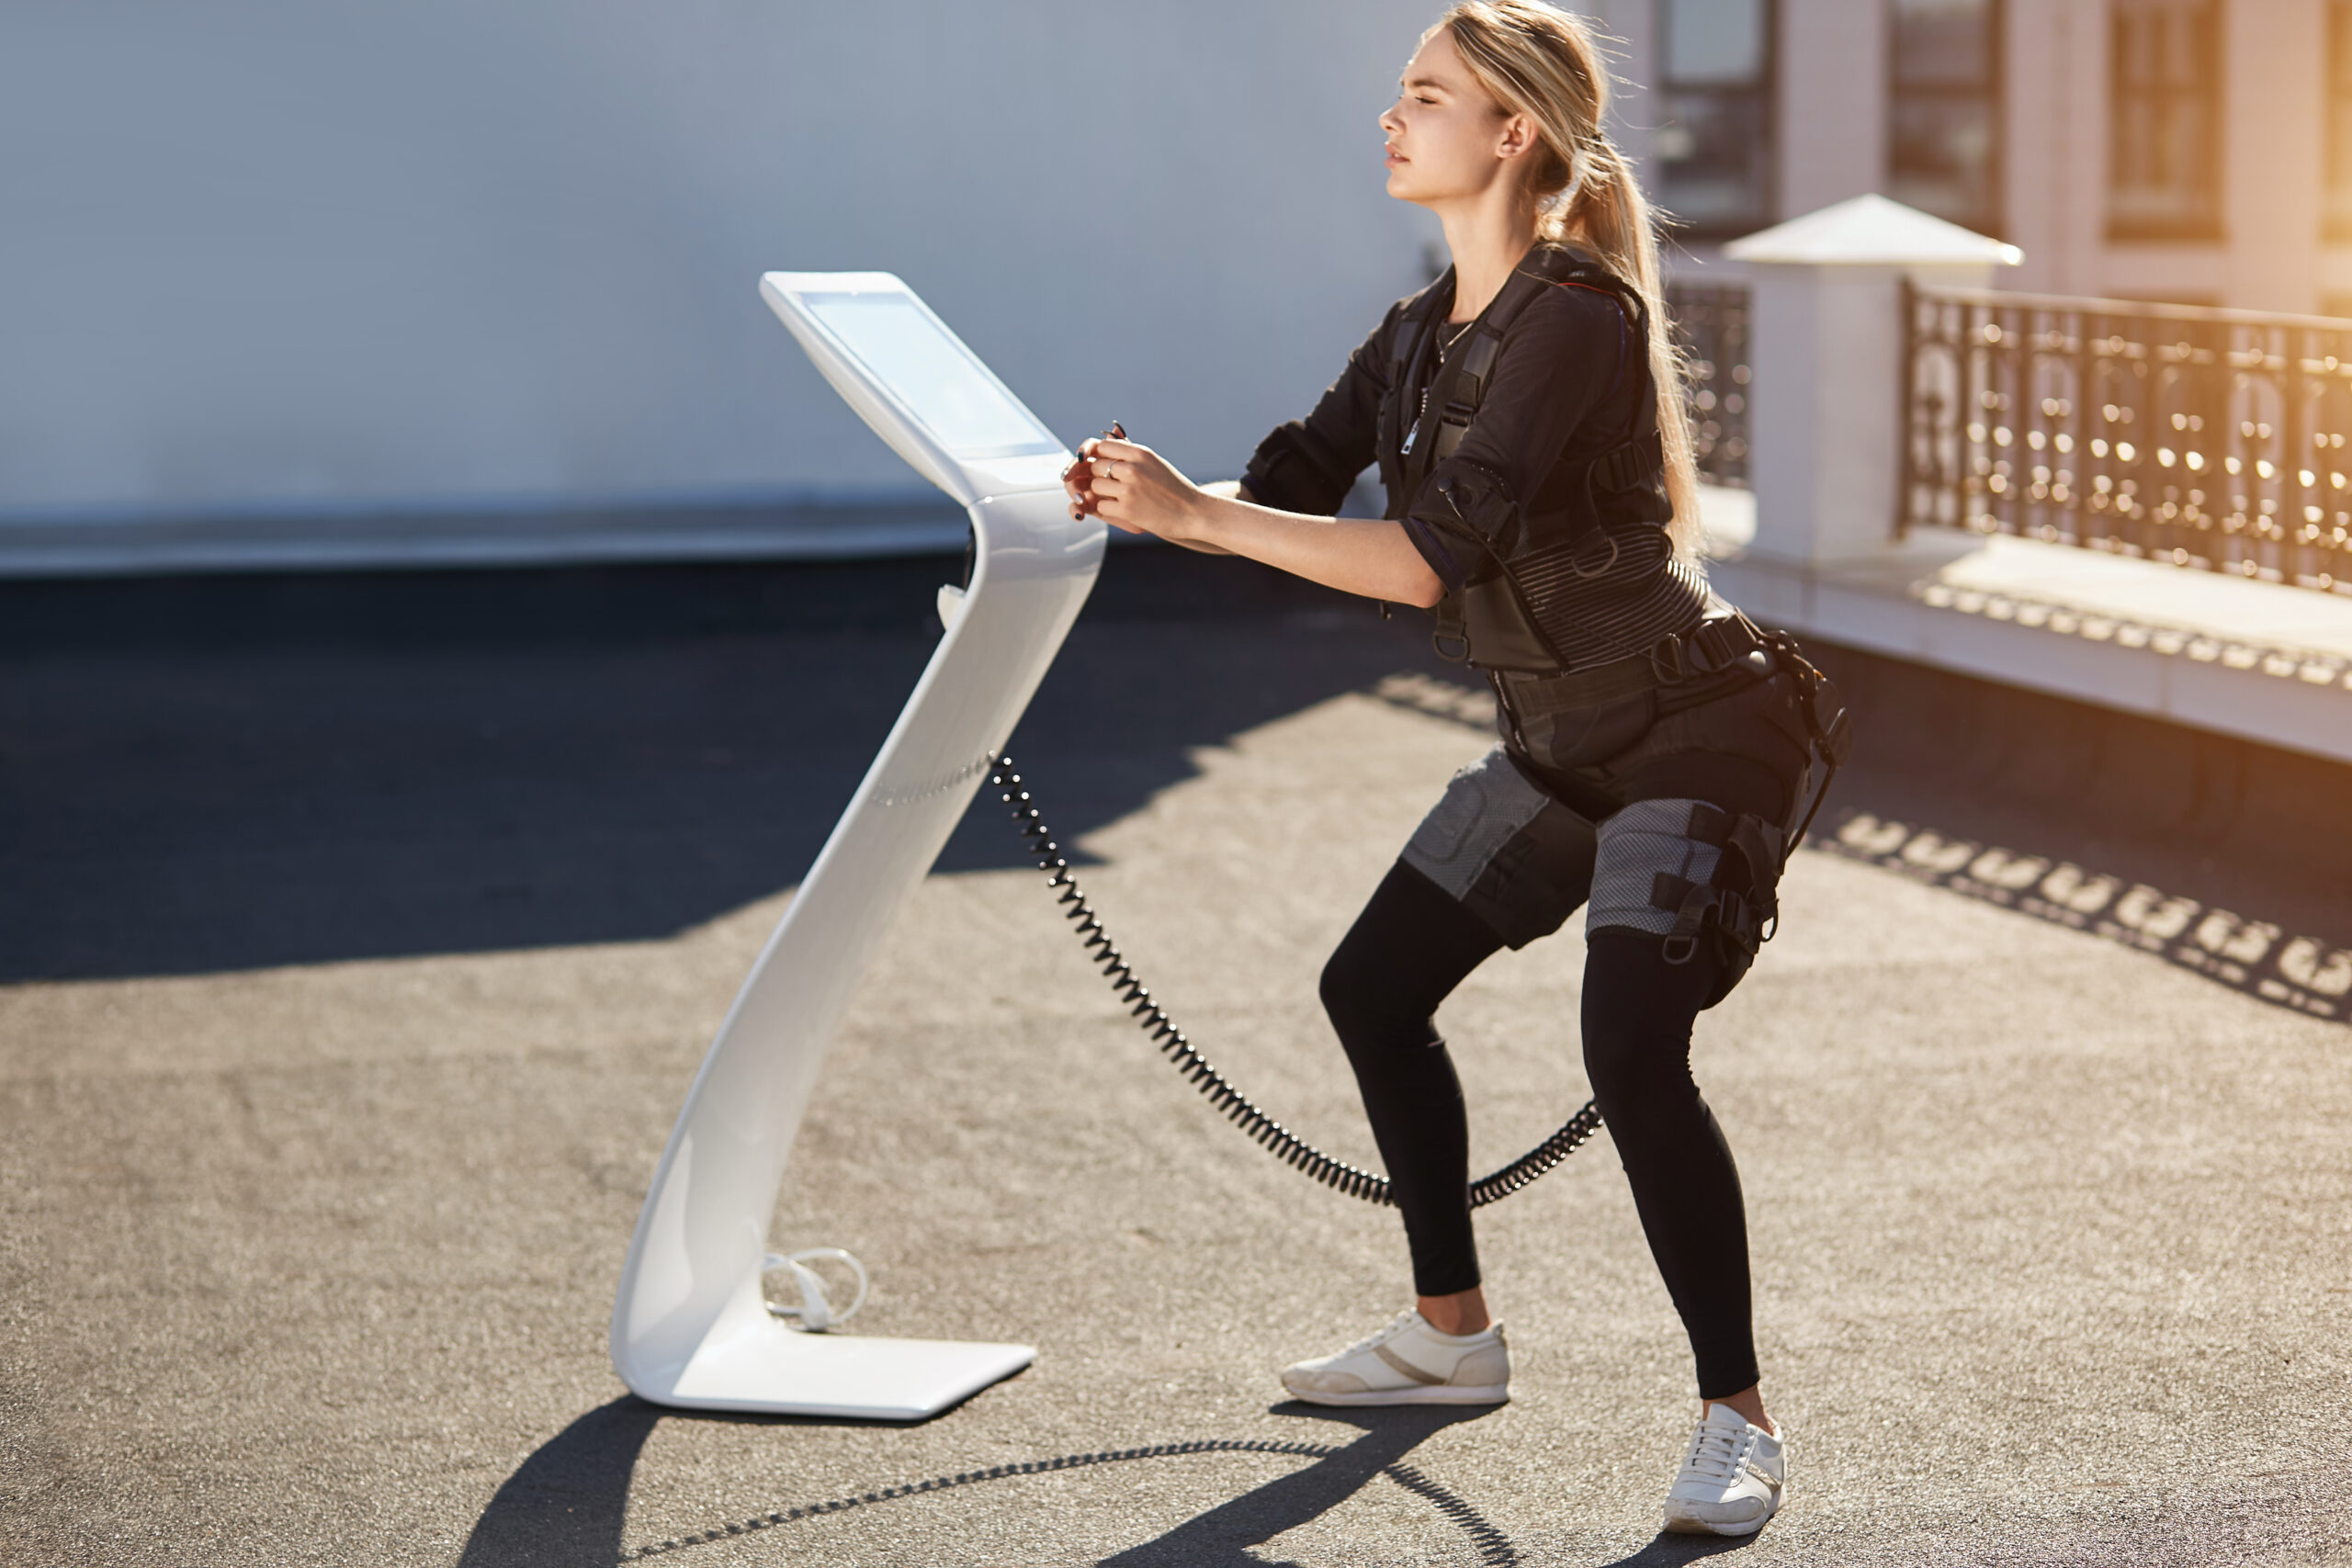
column 1489, row 234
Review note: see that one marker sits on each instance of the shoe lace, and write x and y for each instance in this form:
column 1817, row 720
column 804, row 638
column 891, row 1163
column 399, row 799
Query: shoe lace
column 1380, row 1337
column 1715, row 1454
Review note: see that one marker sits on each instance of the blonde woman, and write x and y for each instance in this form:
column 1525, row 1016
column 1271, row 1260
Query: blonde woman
column 1527, row 418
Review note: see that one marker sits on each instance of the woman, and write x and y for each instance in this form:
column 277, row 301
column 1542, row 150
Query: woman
column 1526, row 414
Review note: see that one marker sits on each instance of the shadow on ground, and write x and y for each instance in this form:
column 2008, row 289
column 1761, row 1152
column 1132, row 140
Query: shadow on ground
column 2216, row 856
column 567, row 1503
column 206, row 775
column 215, row 773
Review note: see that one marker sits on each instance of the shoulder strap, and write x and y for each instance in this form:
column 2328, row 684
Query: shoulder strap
column 1640, row 457
column 1407, row 351
column 1414, row 326
column 1581, row 270
column 1461, row 384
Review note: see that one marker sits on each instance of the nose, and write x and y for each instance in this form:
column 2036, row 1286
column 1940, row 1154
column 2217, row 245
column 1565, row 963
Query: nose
column 1388, row 126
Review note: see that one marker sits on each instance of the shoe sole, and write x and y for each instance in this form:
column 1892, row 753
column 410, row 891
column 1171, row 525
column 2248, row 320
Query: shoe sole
column 1684, row 1524
column 1438, row 1395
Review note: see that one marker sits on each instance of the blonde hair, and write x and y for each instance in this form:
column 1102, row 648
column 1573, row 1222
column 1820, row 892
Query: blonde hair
column 1541, row 61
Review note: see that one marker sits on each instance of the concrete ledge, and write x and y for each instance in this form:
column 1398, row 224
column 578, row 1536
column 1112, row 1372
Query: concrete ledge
column 774, row 530
column 2259, row 660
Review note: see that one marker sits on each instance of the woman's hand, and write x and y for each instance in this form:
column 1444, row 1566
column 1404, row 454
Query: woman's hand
column 1134, row 488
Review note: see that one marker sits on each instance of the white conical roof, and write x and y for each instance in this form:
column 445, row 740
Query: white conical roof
column 1870, row 230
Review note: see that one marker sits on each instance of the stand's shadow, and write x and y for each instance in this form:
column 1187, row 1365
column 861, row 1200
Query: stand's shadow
column 568, row 1501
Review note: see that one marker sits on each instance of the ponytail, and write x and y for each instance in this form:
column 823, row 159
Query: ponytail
column 1536, row 60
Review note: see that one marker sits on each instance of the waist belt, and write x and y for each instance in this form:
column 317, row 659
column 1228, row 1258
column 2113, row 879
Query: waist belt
column 1712, row 648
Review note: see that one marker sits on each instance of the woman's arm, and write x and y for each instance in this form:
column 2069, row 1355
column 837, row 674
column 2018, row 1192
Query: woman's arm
column 1134, row 488
column 1224, row 490
column 1274, row 512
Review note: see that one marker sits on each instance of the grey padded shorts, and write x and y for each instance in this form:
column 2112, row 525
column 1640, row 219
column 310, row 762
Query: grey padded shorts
column 1523, row 862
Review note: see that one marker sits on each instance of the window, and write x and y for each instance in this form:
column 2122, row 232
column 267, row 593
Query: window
column 2164, row 98
column 2339, row 120
column 1944, row 119
column 1714, row 145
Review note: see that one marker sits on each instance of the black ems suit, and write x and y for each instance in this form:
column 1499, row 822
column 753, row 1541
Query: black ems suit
column 1657, row 748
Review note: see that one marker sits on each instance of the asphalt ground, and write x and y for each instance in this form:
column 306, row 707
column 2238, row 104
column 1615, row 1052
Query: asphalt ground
column 358, row 938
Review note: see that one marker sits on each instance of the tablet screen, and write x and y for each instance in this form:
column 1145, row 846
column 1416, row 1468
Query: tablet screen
column 905, row 349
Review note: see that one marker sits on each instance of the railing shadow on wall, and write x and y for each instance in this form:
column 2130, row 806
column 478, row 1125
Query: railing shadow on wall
column 2205, row 439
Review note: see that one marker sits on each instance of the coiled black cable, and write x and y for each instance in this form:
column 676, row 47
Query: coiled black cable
column 1268, row 1134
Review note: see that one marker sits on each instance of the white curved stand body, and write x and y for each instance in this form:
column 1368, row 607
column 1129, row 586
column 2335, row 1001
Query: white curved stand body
column 690, row 1324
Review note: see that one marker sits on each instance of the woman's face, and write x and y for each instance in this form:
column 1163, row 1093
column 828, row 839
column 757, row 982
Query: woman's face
column 1447, row 140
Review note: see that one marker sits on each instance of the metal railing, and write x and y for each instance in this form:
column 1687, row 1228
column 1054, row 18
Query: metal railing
column 2205, row 439
column 1711, row 327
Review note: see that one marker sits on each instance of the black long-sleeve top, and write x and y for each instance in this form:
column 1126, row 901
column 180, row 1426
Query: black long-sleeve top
column 1571, row 381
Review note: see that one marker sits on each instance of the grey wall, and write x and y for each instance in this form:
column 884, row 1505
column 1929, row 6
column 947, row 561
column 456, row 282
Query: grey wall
column 325, row 257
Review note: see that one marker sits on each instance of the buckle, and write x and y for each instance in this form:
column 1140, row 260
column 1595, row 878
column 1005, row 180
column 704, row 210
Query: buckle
column 1630, row 463
column 1727, row 643
column 1604, row 569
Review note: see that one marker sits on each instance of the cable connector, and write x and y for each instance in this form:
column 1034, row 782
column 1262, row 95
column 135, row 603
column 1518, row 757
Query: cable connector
column 815, row 1313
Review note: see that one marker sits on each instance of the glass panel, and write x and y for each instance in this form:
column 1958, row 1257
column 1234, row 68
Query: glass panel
column 1711, row 43
column 1942, row 158
column 2339, row 120
column 1941, row 42
column 1943, row 118
column 905, row 349
column 1713, row 144
column 2164, row 145
column 1714, row 152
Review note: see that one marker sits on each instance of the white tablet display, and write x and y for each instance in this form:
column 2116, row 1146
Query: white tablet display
column 907, row 349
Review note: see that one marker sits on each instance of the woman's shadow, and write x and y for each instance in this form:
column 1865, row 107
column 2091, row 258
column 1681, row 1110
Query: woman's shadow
column 1225, row 1534
column 567, row 1503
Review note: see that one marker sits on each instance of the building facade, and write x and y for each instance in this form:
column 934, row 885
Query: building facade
column 2192, row 150
column 448, row 258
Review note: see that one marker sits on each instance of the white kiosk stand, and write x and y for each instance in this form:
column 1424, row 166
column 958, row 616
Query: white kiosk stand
column 690, row 1324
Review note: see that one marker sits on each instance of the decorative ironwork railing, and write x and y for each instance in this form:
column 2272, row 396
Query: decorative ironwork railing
column 1711, row 328
column 2213, row 439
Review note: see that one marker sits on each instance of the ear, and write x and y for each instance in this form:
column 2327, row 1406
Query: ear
column 1517, row 136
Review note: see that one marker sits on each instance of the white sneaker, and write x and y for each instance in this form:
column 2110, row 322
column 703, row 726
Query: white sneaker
column 1733, row 1479
column 1410, row 1363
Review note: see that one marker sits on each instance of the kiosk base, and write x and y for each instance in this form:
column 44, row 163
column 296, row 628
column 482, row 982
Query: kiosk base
column 785, row 1371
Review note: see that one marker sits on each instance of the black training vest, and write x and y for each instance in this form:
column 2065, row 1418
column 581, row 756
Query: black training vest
column 1490, row 620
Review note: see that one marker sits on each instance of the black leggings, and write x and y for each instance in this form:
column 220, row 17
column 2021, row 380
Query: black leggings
column 1405, row 955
